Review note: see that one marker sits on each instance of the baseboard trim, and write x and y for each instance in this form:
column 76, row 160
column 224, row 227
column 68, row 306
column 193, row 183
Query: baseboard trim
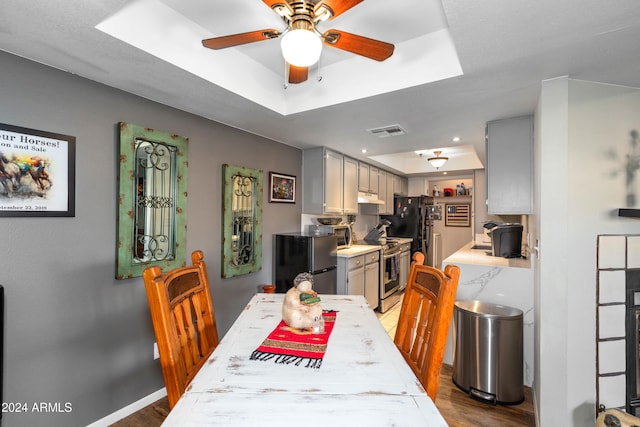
column 129, row 409
column 536, row 411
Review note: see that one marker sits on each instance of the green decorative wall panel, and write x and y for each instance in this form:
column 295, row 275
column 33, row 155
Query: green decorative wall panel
column 152, row 200
column 242, row 221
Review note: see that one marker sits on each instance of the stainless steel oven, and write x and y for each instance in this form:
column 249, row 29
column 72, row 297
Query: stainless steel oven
column 390, row 286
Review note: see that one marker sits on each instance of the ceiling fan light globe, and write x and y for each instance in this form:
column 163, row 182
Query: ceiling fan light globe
column 301, row 48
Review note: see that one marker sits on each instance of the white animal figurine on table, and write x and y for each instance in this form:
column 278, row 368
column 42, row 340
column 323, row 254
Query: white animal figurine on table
column 301, row 308
column 617, row 418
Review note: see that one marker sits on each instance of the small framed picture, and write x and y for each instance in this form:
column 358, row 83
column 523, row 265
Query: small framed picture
column 457, row 215
column 31, row 162
column 282, row 188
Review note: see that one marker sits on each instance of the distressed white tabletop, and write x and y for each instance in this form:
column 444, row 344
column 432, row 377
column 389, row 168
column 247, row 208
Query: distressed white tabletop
column 363, row 379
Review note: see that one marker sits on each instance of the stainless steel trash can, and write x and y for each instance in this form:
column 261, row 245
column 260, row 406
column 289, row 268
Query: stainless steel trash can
column 487, row 351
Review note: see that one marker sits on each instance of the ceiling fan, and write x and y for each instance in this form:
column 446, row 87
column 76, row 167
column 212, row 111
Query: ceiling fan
column 302, row 18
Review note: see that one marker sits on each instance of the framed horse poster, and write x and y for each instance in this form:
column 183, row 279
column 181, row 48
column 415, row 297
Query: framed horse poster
column 37, row 172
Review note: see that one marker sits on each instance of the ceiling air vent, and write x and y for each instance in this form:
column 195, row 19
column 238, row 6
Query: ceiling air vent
column 383, row 132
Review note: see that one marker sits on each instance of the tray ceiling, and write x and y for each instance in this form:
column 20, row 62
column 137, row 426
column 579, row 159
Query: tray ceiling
column 503, row 51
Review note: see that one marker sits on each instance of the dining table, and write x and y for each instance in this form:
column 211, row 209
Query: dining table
column 360, row 380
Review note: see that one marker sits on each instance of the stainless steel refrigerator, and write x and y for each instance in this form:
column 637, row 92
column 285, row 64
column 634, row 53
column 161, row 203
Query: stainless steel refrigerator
column 298, row 253
column 413, row 217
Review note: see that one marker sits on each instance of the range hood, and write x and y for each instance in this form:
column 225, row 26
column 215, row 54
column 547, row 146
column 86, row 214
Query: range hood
column 369, row 198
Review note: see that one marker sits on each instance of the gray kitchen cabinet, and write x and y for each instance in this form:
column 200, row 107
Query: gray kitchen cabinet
column 388, row 202
column 373, row 179
column 382, row 193
column 400, row 185
column 363, row 177
column 355, row 281
column 333, row 176
column 397, row 186
column 330, row 182
column 351, row 275
column 372, row 279
column 350, row 186
column 367, row 178
column 509, row 169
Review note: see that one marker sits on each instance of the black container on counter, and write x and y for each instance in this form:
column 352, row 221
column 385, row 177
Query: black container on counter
column 506, row 240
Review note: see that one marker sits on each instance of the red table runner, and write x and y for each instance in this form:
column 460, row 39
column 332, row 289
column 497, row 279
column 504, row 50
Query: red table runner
column 290, row 345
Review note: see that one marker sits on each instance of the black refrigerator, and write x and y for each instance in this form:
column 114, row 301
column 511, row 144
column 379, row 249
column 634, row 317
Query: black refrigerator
column 413, row 217
column 298, row 253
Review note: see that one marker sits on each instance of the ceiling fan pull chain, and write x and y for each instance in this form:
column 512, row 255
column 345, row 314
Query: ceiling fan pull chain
column 318, row 75
column 286, row 75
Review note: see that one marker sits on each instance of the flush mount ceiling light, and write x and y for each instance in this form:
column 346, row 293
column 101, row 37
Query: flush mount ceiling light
column 437, row 161
column 301, row 48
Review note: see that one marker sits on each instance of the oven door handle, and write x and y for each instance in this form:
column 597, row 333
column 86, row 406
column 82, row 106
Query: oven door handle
column 390, row 255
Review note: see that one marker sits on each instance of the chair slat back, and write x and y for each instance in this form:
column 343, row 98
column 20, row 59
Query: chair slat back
column 183, row 321
column 423, row 325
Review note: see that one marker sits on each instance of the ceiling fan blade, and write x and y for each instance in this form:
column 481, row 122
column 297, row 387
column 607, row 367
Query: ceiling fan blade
column 337, row 7
column 280, row 6
column 238, row 39
column 298, row 74
column 360, row 45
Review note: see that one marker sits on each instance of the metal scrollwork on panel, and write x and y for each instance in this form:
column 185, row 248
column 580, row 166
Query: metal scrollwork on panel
column 154, row 220
column 152, row 200
column 242, row 216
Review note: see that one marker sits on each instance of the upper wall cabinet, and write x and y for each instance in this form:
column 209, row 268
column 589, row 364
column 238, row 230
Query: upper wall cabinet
column 330, row 182
column 367, row 178
column 509, row 168
column 385, row 192
column 382, row 193
column 363, row 177
column 390, row 185
column 400, row 185
column 350, row 186
column 332, row 178
column 373, row 180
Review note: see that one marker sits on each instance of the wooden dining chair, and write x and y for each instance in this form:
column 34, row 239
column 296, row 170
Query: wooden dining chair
column 183, row 321
column 418, row 258
column 425, row 316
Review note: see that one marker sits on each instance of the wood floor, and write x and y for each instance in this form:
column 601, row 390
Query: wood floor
column 458, row 409
column 150, row 416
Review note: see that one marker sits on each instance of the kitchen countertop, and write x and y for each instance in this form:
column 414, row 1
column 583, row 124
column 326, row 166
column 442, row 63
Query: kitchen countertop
column 402, row 240
column 466, row 255
column 356, row 249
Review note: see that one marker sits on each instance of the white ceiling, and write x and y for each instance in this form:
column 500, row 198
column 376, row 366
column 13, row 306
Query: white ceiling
column 424, row 50
column 505, row 49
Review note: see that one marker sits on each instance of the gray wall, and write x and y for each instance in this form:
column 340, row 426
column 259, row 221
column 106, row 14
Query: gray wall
column 74, row 333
